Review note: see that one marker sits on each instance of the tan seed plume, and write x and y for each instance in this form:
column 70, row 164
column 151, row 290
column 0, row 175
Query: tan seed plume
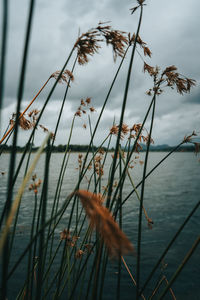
column 100, row 218
column 65, row 77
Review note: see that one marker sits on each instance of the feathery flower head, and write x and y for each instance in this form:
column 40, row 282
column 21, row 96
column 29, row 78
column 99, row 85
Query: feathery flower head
column 193, row 139
column 35, row 185
column 125, row 129
column 82, row 102
column 65, row 235
column 92, row 109
column 114, row 130
column 66, row 76
column 115, row 38
column 100, row 218
column 140, row 3
column 24, row 123
column 79, row 253
column 88, row 100
column 87, row 44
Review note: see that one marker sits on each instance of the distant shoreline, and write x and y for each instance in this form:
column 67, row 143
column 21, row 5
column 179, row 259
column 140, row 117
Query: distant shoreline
column 84, row 148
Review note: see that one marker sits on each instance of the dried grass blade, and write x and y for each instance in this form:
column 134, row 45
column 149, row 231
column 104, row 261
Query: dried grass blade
column 17, row 200
column 132, row 278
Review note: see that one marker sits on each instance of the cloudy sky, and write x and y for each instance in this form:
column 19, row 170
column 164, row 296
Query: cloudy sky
column 170, row 29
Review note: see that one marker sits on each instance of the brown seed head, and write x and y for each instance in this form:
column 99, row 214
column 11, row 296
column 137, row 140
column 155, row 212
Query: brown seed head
column 115, row 38
column 66, row 76
column 44, row 128
column 35, row 185
column 24, row 123
column 114, row 130
column 33, row 112
column 101, row 151
column 100, row 218
column 149, row 69
column 125, row 129
column 82, row 102
column 140, row 2
column 88, row 100
column 79, row 253
column 92, row 109
column 87, row 44
column 65, row 235
column 147, row 51
column 78, row 113
column 88, row 248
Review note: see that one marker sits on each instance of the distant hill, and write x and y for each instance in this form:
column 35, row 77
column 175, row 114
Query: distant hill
column 165, row 147
column 84, row 148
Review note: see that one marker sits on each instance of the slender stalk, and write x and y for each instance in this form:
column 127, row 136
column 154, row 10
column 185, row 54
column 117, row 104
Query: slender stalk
column 13, row 153
column 104, row 105
column 152, row 170
column 17, row 199
column 95, row 177
column 63, row 103
column 3, row 50
column 51, row 261
column 158, row 284
column 169, row 246
column 123, row 110
column 65, row 249
column 30, row 256
column 103, row 273
column 141, row 206
column 80, row 273
column 40, row 115
column 97, row 269
column 181, row 266
column 63, row 166
column 68, row 279
column 131, row 153
column 133, row 185
column 12, row 127
column 17, row 214
column 59, row 214
column 120, row 225
column 41, row 258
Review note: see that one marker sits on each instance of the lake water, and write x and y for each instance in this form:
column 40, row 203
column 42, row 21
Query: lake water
column 170, row 194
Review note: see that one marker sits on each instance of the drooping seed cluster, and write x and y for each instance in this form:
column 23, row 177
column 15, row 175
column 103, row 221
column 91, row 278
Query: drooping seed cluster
column 168, row 78
column 89, row 43
column 35, row 185
column 66, row 76
column 133, row 134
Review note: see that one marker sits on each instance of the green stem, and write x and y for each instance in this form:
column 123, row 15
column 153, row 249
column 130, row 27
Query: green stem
column 8, row 203
column 179, row 269
column 169, row 246
column 123, row 111
column 104, row 105
column 41, row 257
column 120, row 225
column 3, row 50
column 40, row 115
column 151, row 171
column 141, row 205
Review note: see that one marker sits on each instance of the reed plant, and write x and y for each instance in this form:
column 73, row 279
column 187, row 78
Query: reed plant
column 72, row 263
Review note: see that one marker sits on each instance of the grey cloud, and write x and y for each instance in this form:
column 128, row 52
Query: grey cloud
column 170, row 29
column 193, row 98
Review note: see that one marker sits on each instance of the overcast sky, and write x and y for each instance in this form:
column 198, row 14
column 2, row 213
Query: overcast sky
column 171, row 30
